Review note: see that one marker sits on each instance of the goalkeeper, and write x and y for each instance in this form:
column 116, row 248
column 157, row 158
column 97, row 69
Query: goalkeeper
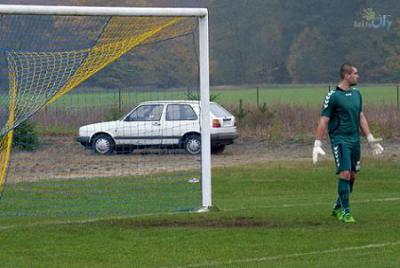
column 342, row 115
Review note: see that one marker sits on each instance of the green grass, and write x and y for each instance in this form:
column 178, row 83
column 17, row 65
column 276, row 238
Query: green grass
column 302, row 95
column 79, row 199
column 285, row 94
column 270, row 215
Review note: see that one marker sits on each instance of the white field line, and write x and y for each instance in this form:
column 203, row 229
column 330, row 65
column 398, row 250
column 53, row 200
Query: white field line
column 288, row 256
column 391, row 199
column 6, row 227
column 93, row 220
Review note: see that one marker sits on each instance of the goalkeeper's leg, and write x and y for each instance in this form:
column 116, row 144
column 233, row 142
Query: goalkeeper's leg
column 344, row 195
column 355, row 163
column 355, row 167
column 343, row 159
column 337, row 206
column 355, row 155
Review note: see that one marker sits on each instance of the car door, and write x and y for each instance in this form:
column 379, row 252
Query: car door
column 142, row 126
column 179, row 119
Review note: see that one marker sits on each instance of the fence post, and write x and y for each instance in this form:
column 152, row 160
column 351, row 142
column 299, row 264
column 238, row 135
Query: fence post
column 114, row 104
column 258, row 97
column 119, row 100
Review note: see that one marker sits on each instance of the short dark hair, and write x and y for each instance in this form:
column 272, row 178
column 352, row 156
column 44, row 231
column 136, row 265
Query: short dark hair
column 346, row 68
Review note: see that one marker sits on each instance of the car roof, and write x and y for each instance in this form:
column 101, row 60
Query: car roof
column 172, row 101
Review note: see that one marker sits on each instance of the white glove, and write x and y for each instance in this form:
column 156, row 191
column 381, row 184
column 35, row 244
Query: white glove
column 316, row 151
column 374, row 144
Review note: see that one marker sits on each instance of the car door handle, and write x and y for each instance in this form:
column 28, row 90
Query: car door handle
column 156, row 124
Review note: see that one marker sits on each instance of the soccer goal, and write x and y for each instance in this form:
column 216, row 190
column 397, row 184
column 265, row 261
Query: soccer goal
column 104, row 150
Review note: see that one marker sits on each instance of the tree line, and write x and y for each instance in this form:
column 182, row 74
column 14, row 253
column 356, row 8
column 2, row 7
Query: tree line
column 267, row 41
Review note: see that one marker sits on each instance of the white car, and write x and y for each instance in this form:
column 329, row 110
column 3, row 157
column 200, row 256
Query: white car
column 160, row 124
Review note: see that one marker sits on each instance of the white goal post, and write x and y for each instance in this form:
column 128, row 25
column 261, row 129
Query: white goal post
column 200, row 13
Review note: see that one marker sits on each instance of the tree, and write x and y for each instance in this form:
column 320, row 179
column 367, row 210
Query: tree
column 307, row 57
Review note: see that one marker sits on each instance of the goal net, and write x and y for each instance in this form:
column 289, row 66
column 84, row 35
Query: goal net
column 71, row 78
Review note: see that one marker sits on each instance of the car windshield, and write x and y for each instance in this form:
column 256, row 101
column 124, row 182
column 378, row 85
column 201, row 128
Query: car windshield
column 218, row 110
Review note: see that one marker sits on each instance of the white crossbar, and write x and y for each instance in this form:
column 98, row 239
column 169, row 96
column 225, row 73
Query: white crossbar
column 102, row 11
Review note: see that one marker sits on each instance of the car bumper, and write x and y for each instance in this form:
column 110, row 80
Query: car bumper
column 85, row 141
column 223, row 138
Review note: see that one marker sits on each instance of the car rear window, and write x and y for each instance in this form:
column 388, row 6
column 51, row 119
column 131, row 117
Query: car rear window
column 180, row 112
column 218, row 110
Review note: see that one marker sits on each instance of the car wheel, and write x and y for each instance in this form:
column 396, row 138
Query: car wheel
column 217, row 149
column 103, row 144
column 192, row 144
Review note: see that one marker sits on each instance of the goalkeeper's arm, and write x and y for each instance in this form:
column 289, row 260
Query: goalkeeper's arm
column 373, row 142
column 319, row 134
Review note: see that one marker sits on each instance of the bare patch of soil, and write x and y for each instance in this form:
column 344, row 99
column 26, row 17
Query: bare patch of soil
column 63, row 158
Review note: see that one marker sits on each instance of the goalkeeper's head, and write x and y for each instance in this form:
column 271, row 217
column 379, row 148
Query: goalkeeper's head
column 349, row 74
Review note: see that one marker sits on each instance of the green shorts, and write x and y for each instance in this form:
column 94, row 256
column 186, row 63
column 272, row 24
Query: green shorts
column 347, row 156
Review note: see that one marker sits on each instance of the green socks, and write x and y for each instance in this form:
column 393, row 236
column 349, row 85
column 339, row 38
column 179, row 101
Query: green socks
column 338, row 204
column 344, row 194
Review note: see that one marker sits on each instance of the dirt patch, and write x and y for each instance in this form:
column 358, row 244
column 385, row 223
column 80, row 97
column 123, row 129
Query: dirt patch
column 63, row 158
column 236, row 222
column 209, row 223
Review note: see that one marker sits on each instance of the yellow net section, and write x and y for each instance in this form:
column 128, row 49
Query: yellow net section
column 6, row 140
column 37, row 78
column 120, row 36
column 5, row 151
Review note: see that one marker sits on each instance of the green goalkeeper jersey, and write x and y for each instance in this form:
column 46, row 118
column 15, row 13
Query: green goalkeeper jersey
column 343, row 107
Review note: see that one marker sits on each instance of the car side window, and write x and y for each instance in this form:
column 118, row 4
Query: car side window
column 180, row 112
column 146, row 113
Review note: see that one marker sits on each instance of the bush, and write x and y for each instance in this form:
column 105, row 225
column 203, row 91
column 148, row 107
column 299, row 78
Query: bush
column 113, row 114
column 26, row 136
column 240, row 112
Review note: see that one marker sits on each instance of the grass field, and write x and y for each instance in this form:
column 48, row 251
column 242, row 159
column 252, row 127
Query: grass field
column 79, row 199
column 269, row 215
column 285, row 94
column 302, row 95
